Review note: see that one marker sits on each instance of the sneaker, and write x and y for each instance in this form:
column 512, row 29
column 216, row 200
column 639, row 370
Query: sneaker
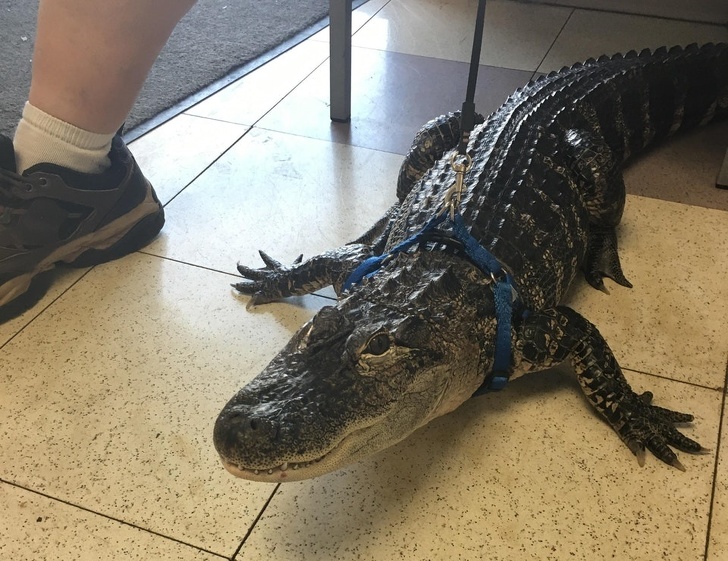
column 52, row 214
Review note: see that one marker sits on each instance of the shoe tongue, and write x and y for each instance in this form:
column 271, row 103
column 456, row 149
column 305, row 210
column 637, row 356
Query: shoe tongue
column 7, row 154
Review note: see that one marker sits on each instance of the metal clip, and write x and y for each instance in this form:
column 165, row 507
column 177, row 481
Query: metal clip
column 461, row 164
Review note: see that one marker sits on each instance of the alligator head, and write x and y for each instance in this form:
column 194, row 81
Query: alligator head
column 408, row 345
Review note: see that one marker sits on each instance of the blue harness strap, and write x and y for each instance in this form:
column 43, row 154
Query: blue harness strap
column 370, row 266
column 504, row 295
column 503, row 289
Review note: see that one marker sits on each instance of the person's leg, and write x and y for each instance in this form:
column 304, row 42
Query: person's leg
column 70, row 190
column 91, row 58
column 90, row 61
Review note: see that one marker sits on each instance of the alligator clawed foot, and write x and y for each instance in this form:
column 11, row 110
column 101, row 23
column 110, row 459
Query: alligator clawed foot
column 602, row 259
column 267, row 284
column 652, row 428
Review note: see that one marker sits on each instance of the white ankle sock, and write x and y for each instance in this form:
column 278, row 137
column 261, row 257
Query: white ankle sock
column 41, row 138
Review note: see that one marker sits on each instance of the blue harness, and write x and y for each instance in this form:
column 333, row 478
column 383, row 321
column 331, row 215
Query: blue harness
column 503, row 288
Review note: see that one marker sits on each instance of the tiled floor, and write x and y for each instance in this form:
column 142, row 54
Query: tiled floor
column 111, row 384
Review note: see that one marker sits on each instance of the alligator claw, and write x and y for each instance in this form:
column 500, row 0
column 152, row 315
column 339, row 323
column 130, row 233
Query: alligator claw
column 267, row 284
column 270, row 263
column 252, row 274
column 650, row 427
column 602, row 259
column 638, row 449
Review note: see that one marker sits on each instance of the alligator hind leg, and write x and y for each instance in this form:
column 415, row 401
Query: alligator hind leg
column 602, row 259
column 600, row 176
column 560, row 334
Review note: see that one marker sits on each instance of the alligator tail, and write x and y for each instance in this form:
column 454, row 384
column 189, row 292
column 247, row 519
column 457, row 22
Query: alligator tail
column 657, row 94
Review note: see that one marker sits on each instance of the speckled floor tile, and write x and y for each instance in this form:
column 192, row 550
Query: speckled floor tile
column 529, row 473
column 108, row 399
column 444, row 29
column 248, row 99
column 393, row 95
column 683, row 169
column 17, row 314
column 718, row 546
column 284, row 194
column 591, row 34
column 673, row 321
column 35, row 528
column 173, row 154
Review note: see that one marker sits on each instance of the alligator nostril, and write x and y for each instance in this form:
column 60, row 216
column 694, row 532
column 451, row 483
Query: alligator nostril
column 241, row 432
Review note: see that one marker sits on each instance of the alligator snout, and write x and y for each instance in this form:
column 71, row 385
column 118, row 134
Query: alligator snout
column 247, row 425
column 240, row 429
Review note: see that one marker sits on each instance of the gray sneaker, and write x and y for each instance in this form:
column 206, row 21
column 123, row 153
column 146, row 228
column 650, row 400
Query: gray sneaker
column 52, row 214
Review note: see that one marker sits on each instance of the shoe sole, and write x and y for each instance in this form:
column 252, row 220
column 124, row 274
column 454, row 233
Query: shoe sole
column 124, row 235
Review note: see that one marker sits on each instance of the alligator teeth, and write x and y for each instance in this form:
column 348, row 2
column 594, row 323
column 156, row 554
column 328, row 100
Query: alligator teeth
column 270, row 472
column 255, row 472
column 284, row 466
column 295, row 466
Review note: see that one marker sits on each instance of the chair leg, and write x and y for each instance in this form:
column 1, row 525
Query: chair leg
column 340, row 59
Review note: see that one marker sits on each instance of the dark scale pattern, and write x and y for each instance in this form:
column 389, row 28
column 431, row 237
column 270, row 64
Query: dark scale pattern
column 548, row 163
column 545, row 195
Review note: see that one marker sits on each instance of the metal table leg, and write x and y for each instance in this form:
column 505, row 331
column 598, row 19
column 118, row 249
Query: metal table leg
column 340, row 59
column 722, row 180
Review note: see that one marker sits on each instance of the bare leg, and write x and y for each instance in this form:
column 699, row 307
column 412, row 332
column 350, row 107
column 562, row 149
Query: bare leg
column 84, row 199
column 91, row 58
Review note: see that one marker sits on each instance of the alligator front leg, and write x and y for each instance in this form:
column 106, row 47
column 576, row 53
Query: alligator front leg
column 556, row 335
column 276, row 281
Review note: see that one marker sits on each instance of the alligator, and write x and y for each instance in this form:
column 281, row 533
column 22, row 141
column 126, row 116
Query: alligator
column 415, row 338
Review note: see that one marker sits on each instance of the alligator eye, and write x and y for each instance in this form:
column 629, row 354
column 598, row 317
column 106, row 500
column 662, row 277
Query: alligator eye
column 378, row 345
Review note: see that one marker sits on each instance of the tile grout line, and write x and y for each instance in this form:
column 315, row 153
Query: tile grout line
column 631, row 14
column 195, row 265
column 255, row 522
column 213, row 270
column 551, row 46
column 42, row 311
column 669, row 379
column 208, row 166
column 113, row 519
column 715, row 467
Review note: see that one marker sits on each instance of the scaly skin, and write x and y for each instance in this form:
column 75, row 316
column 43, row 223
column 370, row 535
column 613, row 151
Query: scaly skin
column 544, row 196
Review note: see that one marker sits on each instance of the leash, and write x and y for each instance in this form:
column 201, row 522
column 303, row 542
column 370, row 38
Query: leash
column 467, row 115
column 504, row 292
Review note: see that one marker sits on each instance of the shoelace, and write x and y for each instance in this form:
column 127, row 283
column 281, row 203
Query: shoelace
column 10, row 204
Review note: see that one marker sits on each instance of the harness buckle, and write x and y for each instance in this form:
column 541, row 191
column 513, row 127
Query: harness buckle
column 461, row 164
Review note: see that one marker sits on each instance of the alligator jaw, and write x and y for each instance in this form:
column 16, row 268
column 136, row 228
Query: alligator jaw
column 288, row 471
column 305, row 469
